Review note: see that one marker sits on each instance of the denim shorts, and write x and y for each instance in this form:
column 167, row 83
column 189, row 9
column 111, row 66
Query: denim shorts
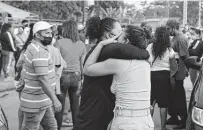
column 129, row 120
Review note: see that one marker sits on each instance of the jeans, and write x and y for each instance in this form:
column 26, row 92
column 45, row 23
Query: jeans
column 45, row 118
column 71, row 83
column 7, row 60
column 132, row 120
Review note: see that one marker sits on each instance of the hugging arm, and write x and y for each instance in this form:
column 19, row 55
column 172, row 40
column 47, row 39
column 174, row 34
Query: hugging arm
column 123, row 51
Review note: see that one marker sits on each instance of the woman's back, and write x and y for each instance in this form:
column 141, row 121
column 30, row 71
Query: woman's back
column 132, row 85
column 71, row 53
column 160, row 63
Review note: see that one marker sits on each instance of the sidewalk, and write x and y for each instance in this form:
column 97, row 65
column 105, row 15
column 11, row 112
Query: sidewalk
column 6, row 85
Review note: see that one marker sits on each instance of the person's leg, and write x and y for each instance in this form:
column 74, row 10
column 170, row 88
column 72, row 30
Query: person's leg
column 152, row 107
column 65, row 84
column 31, row 121
column 11, row 56
column 193, row 75
column 20, row 119
column 74, row 102
column 59, row 115
column 5, row 62
column 181, row 103
column 48, row 121
column 1, row 61
column 74, row 96
column 163, row 114
column 172, row 108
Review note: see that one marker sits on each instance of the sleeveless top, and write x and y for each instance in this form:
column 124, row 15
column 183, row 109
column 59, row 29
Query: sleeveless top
column 132, row 88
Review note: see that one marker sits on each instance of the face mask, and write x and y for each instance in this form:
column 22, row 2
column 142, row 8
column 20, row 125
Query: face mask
column 46, row 41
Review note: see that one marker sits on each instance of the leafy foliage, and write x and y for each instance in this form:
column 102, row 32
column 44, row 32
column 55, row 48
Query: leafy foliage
column 161, row 9
column 61, row 10
column 106, row 9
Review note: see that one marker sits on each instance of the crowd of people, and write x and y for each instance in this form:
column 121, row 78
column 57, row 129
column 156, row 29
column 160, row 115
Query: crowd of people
column 113, row 83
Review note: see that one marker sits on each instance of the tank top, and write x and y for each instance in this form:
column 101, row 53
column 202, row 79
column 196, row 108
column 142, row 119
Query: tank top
column 133, row 87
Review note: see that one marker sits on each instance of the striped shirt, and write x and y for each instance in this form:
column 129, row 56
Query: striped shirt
column 37, row 62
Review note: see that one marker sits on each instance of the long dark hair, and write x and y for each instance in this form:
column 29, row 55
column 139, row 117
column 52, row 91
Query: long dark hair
column 96, row 27
column 30, row 37
column 70, row 30
column 162, row 42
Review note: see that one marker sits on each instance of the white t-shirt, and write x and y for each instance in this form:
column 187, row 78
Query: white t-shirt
column 163, row 63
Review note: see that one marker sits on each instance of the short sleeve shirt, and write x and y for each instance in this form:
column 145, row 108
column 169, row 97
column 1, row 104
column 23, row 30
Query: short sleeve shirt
column 37, row 61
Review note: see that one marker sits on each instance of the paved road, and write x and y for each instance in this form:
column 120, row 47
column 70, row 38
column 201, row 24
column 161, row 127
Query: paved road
column 10, row 104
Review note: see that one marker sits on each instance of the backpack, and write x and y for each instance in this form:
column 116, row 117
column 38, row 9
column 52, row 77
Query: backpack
column 3, row 120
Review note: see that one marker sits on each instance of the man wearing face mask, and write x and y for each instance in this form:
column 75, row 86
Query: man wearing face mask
column 38, row 96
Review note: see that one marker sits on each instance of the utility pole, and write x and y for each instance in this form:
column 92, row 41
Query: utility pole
column 168, row 4
column 185, row 12
column 84, row 13
column 200, row 10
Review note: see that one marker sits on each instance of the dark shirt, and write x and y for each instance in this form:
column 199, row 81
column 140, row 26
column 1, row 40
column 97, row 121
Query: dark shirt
column 180, row 45
column 97, row 101
column 6, row 40
column 196, row 48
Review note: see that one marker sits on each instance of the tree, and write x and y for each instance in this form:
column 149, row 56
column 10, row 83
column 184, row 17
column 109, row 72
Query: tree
column 61, row 10
column 158, row 9
column 106, row 9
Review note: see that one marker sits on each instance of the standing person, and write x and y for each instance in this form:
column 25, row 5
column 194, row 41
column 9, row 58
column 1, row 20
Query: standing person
column 25, row 23
column 59, row 64
column 26, row 28
column 97, row 101
column 19, row 41
column 160, row 53
column 19, row 66
column 195, row 49
column 148, row 30
column 178, row 106
column 59, row 30
column 1, row 56
column 39, row 80
column 8, row 48
column 73, row 52
column 131, row 83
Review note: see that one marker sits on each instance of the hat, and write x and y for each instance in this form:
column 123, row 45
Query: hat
column 41, row 25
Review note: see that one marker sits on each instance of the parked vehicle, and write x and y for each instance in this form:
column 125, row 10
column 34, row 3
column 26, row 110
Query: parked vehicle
column 195, row 109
